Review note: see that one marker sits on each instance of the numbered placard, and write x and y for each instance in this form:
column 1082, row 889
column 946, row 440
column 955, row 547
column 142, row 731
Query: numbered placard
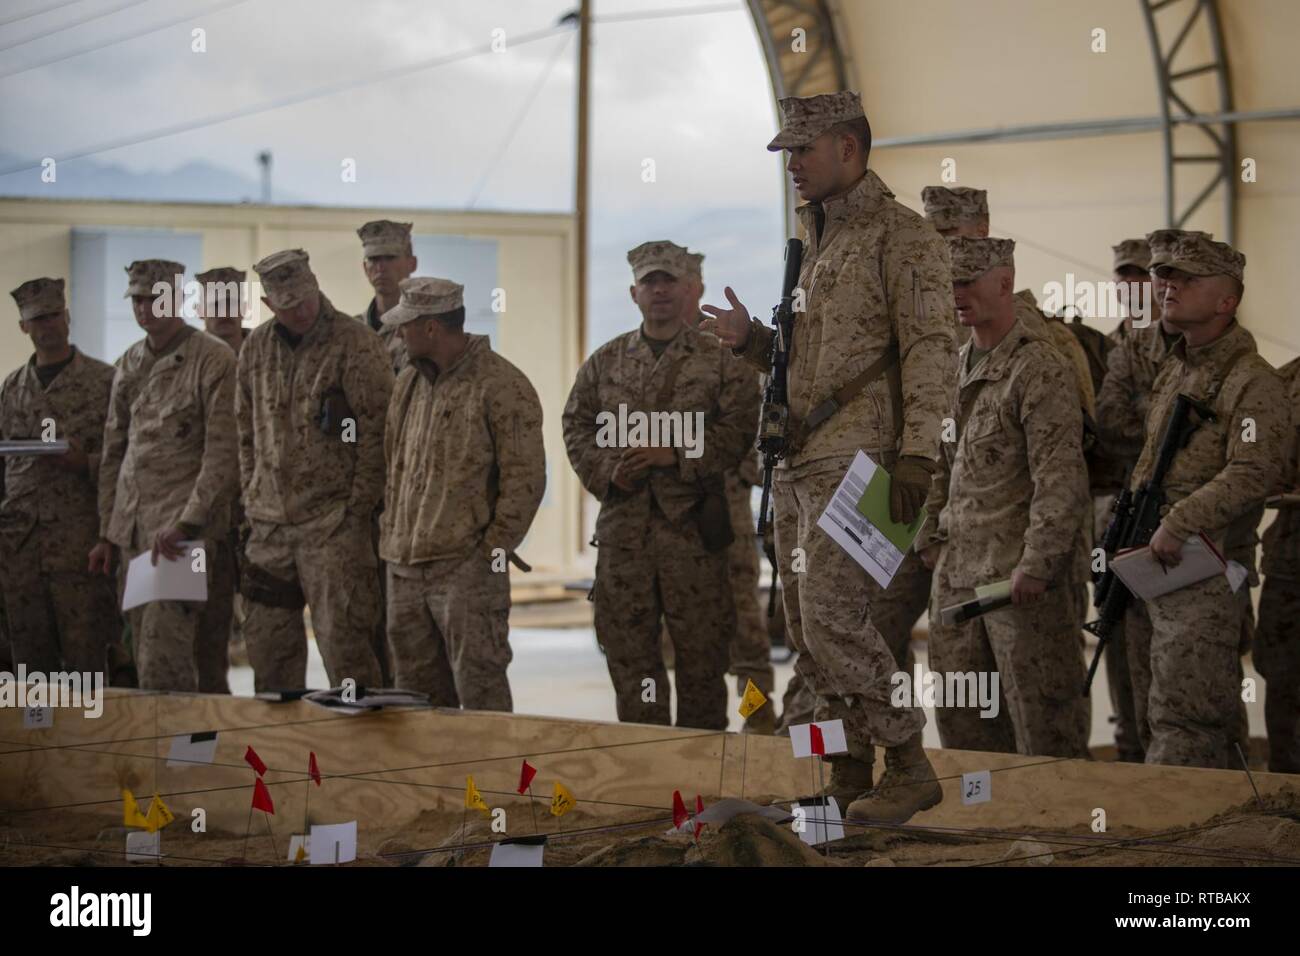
column 976, row 787
column 38, row 718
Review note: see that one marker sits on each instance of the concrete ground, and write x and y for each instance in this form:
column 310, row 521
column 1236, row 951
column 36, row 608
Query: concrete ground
column 561, row 673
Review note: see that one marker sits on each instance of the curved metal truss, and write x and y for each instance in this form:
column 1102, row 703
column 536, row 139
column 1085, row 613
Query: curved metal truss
column 1182, row 18
column 800, row 65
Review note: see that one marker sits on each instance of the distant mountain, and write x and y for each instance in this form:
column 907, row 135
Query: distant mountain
column 195, row 181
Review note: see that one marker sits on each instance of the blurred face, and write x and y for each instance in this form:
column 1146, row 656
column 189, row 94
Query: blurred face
column 1190, row 301
column 49, row 333
column 298, row 318
column 661, row 297
column 825, row 167
column 978, row 301
column 971, row 230
column 385, row 272
column 221, row 311
column 155, row 314
column 420, row 336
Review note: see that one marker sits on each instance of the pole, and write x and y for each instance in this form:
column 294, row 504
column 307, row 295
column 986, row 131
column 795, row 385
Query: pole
column 580, row 190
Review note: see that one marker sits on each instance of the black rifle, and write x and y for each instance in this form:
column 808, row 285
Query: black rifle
column 772, row 440
column 1135, row 518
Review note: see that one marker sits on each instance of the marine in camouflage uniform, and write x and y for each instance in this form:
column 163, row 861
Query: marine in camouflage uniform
column 60, row 617
column 466, row 474
column 1122, row 409
column 963, row 211
column 1277, row 640
column 313, row 392
column 751, row 647
column 1009, row 502
column 388, row 259
column 1138, row 346
column 169, row 468
column 222, row 312
column 662, row 547
column 1215, row 486
column 870, row 360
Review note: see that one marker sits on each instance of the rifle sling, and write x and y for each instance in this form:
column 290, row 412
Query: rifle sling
column 799, row 432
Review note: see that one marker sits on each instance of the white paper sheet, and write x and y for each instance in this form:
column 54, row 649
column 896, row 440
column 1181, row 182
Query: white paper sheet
column 168, row 581
column 822, row 823
column 832, row 737
column 877, row 555
column 333, row 843
column 143, row 847
column 976, row 787
column 186, row 751
column 38, row 718
column 521, row 853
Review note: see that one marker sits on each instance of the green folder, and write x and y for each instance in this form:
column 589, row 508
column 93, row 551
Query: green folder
column 874, row 506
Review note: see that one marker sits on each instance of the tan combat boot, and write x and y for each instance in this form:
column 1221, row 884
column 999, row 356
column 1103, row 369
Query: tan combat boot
column 850, row 779
column 907, row 786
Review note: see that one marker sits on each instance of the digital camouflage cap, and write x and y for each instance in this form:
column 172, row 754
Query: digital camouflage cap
column 143, row 276
column 37, row 297
column 1199, row 255
column 972, row 257
column 286, row 277
column 1161, row 243
column 424, row 295
column 804, row 118
column 661, row 255
column 383, row 237
column 948, row 207
column 1132, row 252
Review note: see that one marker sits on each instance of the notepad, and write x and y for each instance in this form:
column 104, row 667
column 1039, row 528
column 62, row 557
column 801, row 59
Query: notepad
column 1147, row 578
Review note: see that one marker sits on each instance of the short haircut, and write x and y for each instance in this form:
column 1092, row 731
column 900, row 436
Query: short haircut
column 454, row 320
column 859, row 129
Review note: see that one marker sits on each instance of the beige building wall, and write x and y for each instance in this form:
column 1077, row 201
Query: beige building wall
column 535, row 266
column 947, row 65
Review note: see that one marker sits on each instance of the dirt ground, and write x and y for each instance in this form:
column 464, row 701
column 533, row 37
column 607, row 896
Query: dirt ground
column 1245, row 835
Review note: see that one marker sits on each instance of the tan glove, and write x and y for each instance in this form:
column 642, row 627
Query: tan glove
column 909, row 487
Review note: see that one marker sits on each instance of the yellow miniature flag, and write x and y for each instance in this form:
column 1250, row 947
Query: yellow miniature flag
column 158, row 816
column 752, row 700
column 473, row 799
column 563, row 801
column 300, row 855
column 131, row 815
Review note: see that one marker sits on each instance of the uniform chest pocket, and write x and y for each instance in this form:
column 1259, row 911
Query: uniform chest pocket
column 182, row 418
column 985, row 425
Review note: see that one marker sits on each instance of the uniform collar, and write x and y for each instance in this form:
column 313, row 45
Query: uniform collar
column 685, row 342
column 998, row 360
column 476, row 345
column 867, row 194
column 1214, row 354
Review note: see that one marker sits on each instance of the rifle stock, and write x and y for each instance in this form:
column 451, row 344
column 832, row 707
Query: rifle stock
column 1135, row 519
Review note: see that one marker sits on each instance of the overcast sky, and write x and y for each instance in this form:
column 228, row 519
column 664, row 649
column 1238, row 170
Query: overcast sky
column 680, row 90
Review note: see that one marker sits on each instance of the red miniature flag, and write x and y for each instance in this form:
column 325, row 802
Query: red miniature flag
column 262, row 797
column 254, row 761
column 815, row 740
column 699, row 808
column 526, row 774
column 679, row 810
column 313, row 770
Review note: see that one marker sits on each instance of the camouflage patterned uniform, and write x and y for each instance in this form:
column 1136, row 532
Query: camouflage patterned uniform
column 1011, row 494
column 383, row 237
column 466, row 473
column 1216, row 485
column 310, row 494
column 876, row 276
column 59, row 615
column 1277, row 648
column 1131, row 367
column 169, row 461
column 652, row 563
